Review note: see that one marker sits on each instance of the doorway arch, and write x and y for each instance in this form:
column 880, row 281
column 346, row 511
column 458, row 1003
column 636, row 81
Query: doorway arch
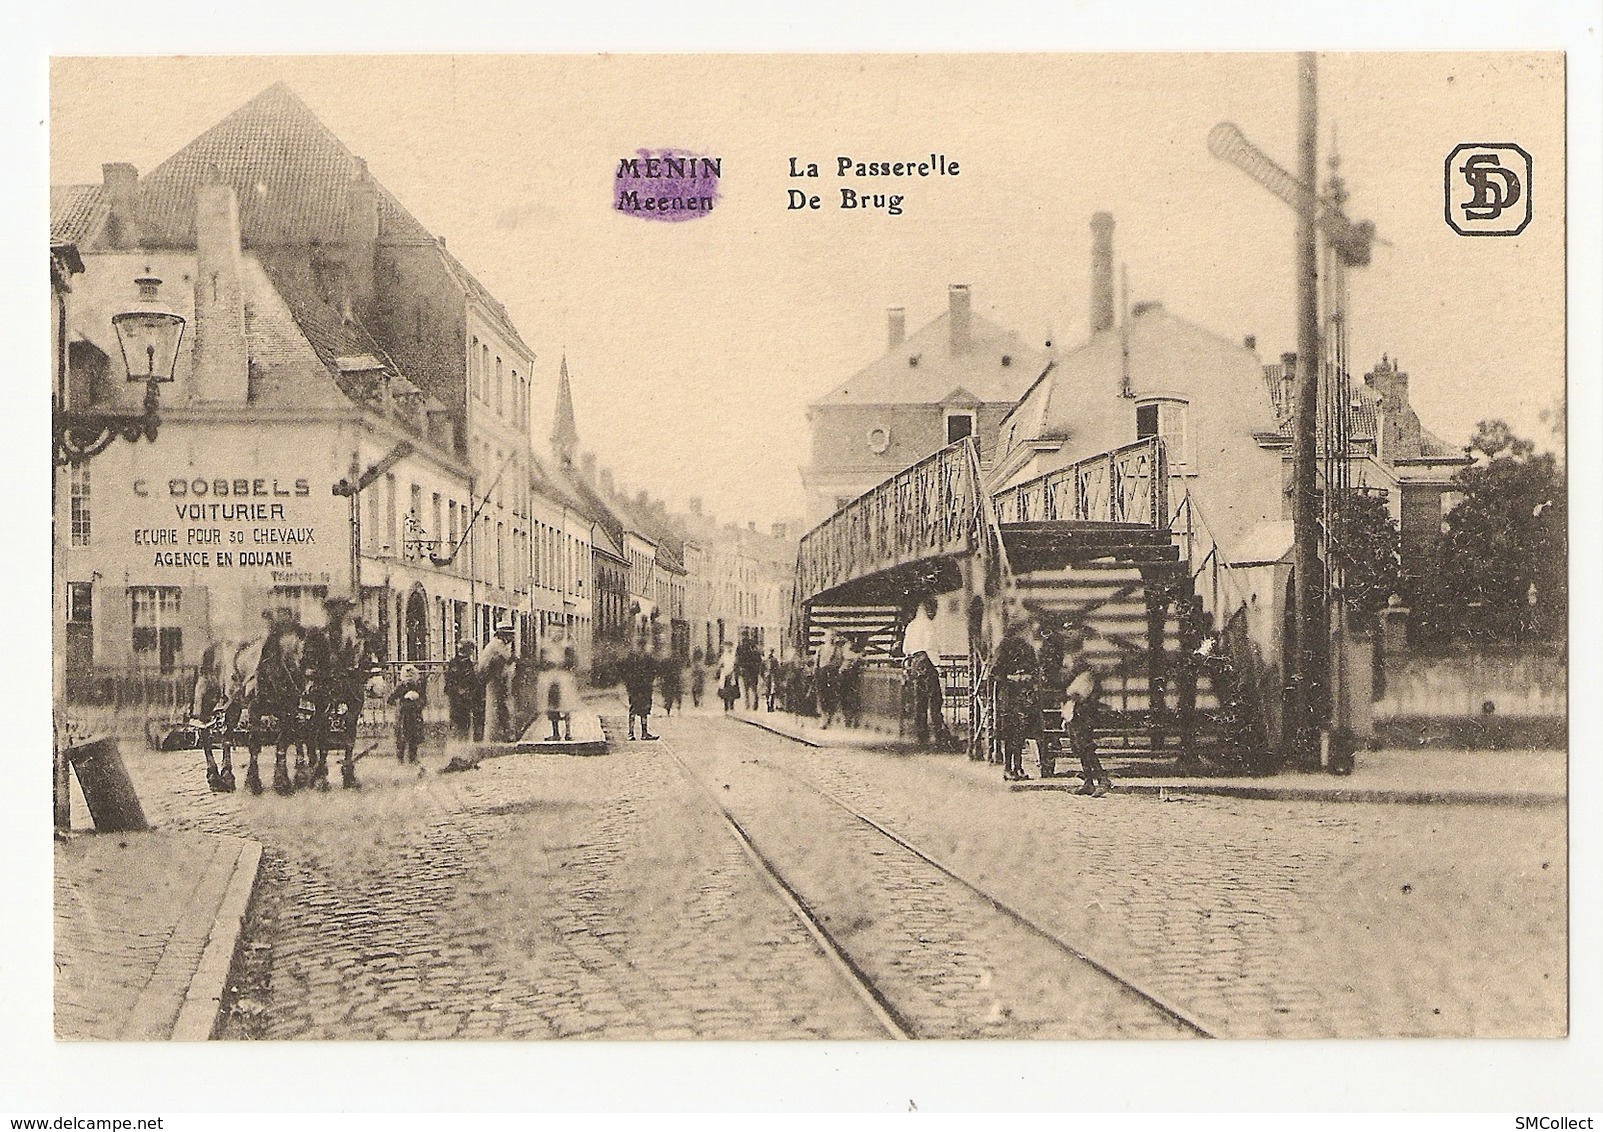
column 415, row 626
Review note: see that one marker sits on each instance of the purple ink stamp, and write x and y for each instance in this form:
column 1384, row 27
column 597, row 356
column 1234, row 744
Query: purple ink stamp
column 667, row 184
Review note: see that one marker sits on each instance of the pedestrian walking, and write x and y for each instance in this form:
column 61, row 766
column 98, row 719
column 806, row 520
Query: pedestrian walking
column 851, row 682
column 463, row 694
column 557, row 686
column 728, row 677
column 410, row 697
column 1018, row 676
column 1080, row 710
column 749, row 661
column 671, row 678
column 771, row 678
column 495, row 676
column 698, row 678
column 639, row 674
column 826, row 679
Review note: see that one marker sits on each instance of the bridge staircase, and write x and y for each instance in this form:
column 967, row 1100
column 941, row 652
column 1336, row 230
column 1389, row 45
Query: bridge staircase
column 1093, row 546
column 1127, row 589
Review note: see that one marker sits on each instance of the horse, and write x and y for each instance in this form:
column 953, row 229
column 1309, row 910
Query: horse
column 341, row 667
column 248, row 693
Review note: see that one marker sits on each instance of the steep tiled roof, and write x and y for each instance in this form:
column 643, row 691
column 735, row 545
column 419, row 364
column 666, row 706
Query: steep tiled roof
column 482, row 296
column 997, row 367
column 292, row 176
column 1363, row 421
column 334, row 336
column 75, row 212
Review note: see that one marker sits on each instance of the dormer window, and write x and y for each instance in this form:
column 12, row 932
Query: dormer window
column 958, row 426
column 1168, row 417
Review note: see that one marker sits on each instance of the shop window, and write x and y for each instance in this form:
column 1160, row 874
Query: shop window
column 158, row 635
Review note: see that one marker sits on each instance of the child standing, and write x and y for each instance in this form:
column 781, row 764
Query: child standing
column 409, row 698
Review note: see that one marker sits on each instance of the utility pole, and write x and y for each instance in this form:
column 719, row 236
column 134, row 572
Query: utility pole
column 1307, row 680
column 1308, row 649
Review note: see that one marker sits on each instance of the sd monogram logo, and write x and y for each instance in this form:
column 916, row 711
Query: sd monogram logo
column 1488, row 189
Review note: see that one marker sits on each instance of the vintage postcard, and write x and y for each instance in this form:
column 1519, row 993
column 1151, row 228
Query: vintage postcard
column 782, row 547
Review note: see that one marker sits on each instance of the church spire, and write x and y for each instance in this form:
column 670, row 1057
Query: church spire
column 564, row 432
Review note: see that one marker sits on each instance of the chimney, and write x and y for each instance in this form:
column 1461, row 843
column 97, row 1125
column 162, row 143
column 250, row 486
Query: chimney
column 121, row 183
column 695, row 505
column 958, row 300
column 643, row 500
column 1250, row 342
column 587, row 467
column 1288, row 381
column 752, row 526
column 361, row 242
column 606, row 482
column 222, row 362
column 779, row 531
column 897, row 317
column 1101, row 271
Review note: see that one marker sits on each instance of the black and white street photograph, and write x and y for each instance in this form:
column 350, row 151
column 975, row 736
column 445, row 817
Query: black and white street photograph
column 803, row 548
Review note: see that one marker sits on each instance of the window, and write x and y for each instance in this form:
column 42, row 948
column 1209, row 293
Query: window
column 1167, row 418
column 436, row 531
column 451, row 511
column 374, row 534
column 958, row 426
column 475, row 369
column 80, row 603
column 157, row 633
column 500, row 389
column 389, row 514
column 80, row 505
column 500, row 555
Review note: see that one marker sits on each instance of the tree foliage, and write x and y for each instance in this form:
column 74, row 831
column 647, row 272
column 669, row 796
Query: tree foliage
column 1500, row 571
column 1367, row 548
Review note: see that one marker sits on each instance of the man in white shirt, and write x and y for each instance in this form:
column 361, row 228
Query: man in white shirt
column 921, row 679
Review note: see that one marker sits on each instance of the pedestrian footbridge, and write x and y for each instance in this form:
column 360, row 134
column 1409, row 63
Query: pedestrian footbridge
column 1098, row 545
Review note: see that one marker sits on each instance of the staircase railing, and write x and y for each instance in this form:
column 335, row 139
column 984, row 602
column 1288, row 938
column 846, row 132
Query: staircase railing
column 1241, row 684
column 1224, row 590
column 1129, row 484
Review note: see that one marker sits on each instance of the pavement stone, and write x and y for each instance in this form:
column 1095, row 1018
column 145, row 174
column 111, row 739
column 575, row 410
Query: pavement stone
column 1341, row 920
column 530, row 898
column 138, row 930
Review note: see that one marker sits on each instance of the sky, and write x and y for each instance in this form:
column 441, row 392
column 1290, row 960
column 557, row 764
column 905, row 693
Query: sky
column 695, row 347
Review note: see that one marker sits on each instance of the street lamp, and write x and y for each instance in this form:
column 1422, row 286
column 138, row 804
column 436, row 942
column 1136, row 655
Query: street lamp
column 149, row 338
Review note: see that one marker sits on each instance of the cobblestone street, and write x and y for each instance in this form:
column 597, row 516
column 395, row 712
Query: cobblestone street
column 550, row 896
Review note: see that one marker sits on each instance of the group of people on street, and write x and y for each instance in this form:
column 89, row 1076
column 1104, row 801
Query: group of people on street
column 481, row 689
column 1041, row 673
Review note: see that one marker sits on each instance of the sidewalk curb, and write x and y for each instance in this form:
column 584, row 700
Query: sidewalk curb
column 1305, row 794
column 1287, row 793
column 197, row 1018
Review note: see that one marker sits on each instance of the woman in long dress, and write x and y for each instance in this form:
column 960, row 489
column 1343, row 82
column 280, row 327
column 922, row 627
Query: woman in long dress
column 557, row 688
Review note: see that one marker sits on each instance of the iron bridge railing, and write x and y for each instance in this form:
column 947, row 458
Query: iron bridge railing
column 923, row 511
column 1127, row 485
